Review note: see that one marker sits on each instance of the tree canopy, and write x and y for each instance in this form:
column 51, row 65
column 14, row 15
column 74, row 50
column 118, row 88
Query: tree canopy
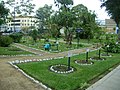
column 3, row 13
column 68, row 17
column 24, row 7
column 113, row 9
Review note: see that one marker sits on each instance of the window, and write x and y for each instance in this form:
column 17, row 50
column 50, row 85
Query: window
column 15, row 20
column 17, row 24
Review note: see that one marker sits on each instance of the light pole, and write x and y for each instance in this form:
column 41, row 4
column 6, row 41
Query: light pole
column 117, row 47
column 87, row 50
column 57, row 45
column 99, row 52
column 107, row 49
column 78, row 31
column 69, row 55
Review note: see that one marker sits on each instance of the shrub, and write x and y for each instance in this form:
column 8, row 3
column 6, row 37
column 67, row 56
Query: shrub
column 5, row 41
column 16, row 37
column 113, row 47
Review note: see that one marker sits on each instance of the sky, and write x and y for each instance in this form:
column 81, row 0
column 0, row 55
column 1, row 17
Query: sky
column 93, row 5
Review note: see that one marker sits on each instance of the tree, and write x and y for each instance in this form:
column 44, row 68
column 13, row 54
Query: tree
column 44, row 15
column 16, row 36
column 34, row 34
column 65, row 17
column 84, row 19
column 63, row 3
column 3, row 13
column 25, row 30
column 20, row 6
column 113, row 10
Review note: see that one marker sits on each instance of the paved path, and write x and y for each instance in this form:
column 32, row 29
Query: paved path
column 110, row 82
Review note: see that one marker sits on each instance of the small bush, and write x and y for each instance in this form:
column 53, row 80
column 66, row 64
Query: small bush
column 5, row 41
column 16, row 37
column 113, row 47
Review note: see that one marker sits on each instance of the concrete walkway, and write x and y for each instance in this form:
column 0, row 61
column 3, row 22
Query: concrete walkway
column 110, row 82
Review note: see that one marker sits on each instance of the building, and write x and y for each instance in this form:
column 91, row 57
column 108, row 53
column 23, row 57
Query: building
column 110, row 24
column 21, row 22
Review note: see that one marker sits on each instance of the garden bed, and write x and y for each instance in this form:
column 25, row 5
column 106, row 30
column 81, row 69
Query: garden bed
column 84, row 62
column 79, row 79
column 97, row 58
column 13, row 51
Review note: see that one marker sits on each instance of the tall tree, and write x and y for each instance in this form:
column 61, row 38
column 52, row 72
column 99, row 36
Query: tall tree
column 113, row 10
column 24, row 7
column 65, row 16
column 44, row 15
column 3, row 13
column 34, row 34
column 63, row 3
column 84, row 19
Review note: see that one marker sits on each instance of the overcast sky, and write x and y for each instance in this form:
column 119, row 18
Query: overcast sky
column 93, row 5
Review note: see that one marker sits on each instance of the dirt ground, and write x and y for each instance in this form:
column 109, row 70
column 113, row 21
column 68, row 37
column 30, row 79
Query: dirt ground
column 11, row 79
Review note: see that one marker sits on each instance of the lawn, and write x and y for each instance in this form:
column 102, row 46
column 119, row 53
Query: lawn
column 72, row 81
column 12, row 51
column 40, row 45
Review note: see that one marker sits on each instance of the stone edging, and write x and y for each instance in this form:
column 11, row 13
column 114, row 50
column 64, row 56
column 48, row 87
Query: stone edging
column 83, row 64
column 13, row 63
column 70, row 71
column 17, row 55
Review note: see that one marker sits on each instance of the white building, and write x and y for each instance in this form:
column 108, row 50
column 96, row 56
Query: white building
column 21, row 22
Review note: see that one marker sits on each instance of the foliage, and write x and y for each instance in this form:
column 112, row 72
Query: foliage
column 3, row 13
column 12, row 51
column 5, row 41
column 21, row 6
column 72, row 81
column 68, row 17
column 34, row 34
column 16, row 36
column 25, row 29
column 41, row 43
column 85, row 19
column 44, row 14
column 63, row 3
column 113, row 9
column 113, row 47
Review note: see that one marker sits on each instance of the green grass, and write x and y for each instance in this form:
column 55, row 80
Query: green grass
column 72, row 81
column 40, row 45
column 12, row 51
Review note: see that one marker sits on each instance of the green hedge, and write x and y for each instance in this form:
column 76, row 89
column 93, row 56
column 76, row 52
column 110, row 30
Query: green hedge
column 5, row 41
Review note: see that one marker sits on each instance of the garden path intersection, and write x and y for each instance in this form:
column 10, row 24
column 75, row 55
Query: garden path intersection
column 11, row 79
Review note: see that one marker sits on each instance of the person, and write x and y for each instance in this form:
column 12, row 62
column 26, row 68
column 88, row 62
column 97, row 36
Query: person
column 47, row 46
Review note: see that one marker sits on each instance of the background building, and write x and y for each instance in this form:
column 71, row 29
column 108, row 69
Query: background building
column 110, row 24
column 21, row 22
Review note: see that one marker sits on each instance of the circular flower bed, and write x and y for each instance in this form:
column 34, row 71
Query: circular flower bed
column 84, row 62
column 106, row 55
column 97, row 58
column 59, row 68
